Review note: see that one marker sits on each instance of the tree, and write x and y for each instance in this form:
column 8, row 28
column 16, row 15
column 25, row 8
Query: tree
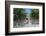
column 19, row 14
column 34, row 14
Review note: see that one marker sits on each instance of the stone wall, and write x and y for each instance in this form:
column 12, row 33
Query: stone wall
column 35, row 21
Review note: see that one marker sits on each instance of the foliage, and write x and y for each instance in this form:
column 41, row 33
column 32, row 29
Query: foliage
column 34, row 14
column 19, row 14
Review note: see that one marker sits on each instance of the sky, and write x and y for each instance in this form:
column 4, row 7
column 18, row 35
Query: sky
column 28, row 10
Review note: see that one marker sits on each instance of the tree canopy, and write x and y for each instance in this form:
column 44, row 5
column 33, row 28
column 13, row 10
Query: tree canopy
column 19, row 14
column 34, row 14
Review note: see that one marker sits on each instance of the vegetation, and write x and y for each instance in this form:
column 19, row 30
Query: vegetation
column 34, row 14
column 19, row 14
